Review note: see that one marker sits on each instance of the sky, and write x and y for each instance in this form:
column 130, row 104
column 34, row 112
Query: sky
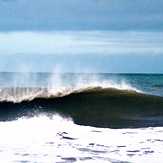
column 109, row 36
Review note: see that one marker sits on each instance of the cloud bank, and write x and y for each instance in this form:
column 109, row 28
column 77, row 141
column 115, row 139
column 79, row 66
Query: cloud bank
column 76, row 43
column 81, row 35
column 82, row 51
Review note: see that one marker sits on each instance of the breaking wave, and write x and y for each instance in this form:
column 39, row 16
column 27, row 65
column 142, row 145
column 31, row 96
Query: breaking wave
column 99, row 107
column 19, row 94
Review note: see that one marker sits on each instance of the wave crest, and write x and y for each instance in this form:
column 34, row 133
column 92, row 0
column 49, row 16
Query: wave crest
column 59, row 88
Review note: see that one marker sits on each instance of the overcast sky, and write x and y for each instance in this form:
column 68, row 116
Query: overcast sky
column 81, row 35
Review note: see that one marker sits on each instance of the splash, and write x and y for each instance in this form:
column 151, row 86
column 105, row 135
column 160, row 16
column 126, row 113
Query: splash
column 24, row 129
column 30, row 86
column 36, row 140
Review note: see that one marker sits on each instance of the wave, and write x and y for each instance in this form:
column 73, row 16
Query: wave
column 19, row 94
column 93, row 106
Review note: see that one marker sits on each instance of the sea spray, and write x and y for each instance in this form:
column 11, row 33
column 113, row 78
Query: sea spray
column 29, row 86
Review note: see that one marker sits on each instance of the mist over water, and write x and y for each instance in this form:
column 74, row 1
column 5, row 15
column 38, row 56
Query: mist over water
column 27, row 86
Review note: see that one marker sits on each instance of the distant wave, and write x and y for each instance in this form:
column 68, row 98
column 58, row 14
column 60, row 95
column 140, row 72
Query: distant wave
column 94, row 106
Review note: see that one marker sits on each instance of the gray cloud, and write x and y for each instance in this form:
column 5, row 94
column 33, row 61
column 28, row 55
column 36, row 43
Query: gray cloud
column 81, row 15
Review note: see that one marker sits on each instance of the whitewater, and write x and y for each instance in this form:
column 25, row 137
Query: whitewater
column 81, row 117
column 36, row 140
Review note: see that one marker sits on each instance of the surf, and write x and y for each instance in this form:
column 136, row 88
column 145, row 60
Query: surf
column 57, row 139
column 99, row 100
column 55, row 88
column 99, row 107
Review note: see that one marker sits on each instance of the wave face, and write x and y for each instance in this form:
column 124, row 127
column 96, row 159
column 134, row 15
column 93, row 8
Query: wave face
column 100, row 107
column 104, row 100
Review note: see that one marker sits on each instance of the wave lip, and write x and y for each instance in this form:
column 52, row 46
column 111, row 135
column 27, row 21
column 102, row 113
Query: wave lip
column 19, row 94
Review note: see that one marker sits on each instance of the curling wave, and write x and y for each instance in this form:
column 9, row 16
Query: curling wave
column 19, row 94
column 100, row 107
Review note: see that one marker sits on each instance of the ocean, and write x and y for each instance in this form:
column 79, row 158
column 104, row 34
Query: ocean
column 81, row 117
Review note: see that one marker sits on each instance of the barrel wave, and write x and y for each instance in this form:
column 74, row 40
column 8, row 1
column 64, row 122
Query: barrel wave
column 94, row 106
